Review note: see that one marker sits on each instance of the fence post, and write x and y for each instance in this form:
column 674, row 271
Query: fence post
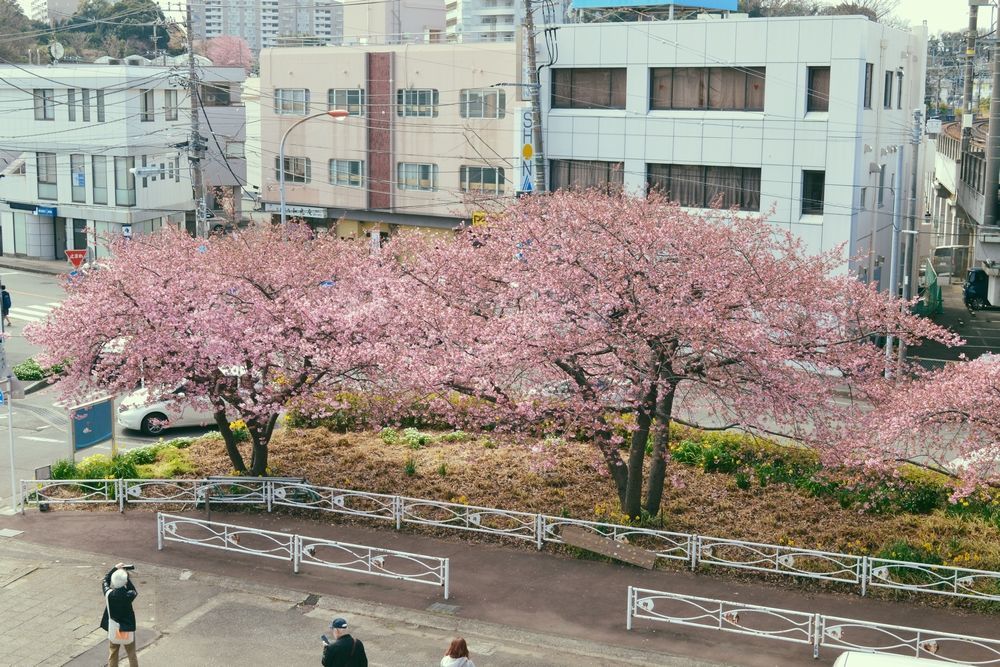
column 268, row 490
column 865, row 568
column 296, row 552
column 445, row 568
column 397, row 510
column 817, row 629
column 628, row 613
column 22, row 499
column 159, row 531
column 539, row 531
column 120, row 490
column 694, row 543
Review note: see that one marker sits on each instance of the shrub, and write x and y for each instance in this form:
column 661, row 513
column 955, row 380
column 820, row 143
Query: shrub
column 170, row 462
column 182, row 443
column 143, row 455
column 96, row 466
column 414, row 439
column 29, row 370
column 410, row 467
column 240, row 431
column 455, row 436
column 688, row 452
column 122, row 467
column 63, row 469
column 389, row 436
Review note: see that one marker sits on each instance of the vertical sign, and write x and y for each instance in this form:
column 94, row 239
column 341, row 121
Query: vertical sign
column 526, row 150
column 92, row 423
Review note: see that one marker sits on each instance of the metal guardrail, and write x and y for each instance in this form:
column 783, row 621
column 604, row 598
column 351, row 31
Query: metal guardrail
column 301, row 550
column 695, row 550
column 817, row 630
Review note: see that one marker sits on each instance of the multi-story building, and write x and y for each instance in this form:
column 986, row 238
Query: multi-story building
column 262, row 22
column 484, row 20
column 797, row 118
column 74, row 136
column 53, row 11
column 428, row 130
column 394, row 22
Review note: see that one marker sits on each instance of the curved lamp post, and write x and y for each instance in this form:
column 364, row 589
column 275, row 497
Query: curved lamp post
column 333, row 113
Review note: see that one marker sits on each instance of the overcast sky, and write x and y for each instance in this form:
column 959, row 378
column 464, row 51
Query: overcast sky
column 941, row 15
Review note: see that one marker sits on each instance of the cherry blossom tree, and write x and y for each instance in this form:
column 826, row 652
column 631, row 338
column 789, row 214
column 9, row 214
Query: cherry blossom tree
column 948, row 419
column 569, row 308
column 229, row 51
column 245, row 322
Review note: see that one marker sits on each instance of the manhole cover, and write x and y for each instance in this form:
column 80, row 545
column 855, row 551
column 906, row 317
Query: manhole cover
column 443, row 608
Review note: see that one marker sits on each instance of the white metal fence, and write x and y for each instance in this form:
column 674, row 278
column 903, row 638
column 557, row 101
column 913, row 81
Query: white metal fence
column 817, row 630
column 862, row 572
column 301, row 550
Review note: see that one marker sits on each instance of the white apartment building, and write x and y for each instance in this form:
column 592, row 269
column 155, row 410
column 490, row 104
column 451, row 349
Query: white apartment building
column 71, row 137
column 427, row 130
column 797, row 117
column 484, row 20
column 262, row 22
column 53, row 11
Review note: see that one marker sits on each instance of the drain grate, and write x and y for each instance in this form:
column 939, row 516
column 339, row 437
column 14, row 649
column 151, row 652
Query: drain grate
column 443, row 608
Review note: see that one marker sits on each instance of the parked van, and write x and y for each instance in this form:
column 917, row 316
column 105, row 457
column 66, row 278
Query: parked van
column 950, row 259
column 975, row 289
column 859, row 659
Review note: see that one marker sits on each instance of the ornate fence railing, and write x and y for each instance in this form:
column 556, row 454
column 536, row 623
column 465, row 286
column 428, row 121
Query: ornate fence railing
column 862, row 572
column 301, row 550
column 817, row 630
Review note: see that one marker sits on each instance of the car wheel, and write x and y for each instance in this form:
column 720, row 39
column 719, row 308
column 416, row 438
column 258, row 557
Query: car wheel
column 977, row 303
column 153, row 424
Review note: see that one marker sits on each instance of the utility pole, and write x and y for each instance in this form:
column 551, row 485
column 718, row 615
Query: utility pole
column 992, row 176
column 194, row 143
column 897, row 221
column 536, row 98
column 970, row 57
column 911, row 220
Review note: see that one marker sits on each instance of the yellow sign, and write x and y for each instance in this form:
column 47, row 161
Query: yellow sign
column 478, row 218
column 527, row 151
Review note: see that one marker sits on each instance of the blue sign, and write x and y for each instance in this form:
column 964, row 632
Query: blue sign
column 79, row 179
column 45, row 210
column 728, row 5
column 92, row 424
column 327, row 283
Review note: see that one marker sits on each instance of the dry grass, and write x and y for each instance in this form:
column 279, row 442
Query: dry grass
column 510, row 476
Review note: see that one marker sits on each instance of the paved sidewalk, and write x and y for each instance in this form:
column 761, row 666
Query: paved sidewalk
column 572, row 603
column 49, row 266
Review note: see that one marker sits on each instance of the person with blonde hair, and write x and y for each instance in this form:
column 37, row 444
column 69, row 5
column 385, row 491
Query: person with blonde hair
column 457, row 655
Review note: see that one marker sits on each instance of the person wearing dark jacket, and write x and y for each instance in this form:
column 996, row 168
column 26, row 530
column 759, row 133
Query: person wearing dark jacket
column 120, row 592
column 345, row 651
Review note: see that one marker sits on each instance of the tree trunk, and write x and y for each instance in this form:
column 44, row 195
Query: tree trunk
column 260, row 435
column 637, row 454
column 613, row 459
column 227, row 436
column 661, row 444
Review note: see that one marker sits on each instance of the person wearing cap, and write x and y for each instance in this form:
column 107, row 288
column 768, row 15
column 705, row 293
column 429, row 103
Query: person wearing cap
column 345, row 650
column 120, row 591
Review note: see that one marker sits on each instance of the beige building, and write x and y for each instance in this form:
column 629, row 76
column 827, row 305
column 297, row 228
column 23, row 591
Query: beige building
column 428, row 131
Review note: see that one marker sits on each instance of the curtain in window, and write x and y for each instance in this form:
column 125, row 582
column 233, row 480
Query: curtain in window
column 562, row 88
column 660, row 87
column 591, row 88
column 687, row 185
column 658, row 178
column 726, row 88
column 756, row 77
column 688, row 88
column 722, row 186
column 751, row 190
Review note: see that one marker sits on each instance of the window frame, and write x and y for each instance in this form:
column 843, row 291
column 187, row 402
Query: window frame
column 887, row 90
column 410, row 105
column 899, row 89
column 99, row 95
column 869, row 84
column 286, row 104
column 147, row 105
column 71, row 104
column 78, row 164
column 817, row 101
column 339, row 176
column 818, row 205
column 658, row 76
column 170, row 108
column 465, row 181
column 45, row 103
column 95, row 181
column 359, row 105
column 609, row 185
column 128, row 188
column 465, row 106
column 432, row 170
column 749, row 199
column 291, row 175
column 51, row 175
column 573, row 101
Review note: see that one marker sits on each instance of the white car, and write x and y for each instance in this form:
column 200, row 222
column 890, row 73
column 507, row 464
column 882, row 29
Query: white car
column 136, row 411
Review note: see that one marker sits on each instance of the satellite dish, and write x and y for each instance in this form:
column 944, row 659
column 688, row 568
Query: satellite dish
column 56, row 50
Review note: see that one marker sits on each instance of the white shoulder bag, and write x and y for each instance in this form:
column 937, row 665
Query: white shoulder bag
column 115, row 634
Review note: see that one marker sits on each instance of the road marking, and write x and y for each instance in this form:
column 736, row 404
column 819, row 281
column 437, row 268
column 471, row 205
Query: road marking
column 33, row 313
column 10, row 273
column 37, row 439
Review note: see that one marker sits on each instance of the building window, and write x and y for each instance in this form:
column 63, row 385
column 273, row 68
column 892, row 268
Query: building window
column 291, row 102
column 608, row 177
column 482, row 179
column 347, row 172
column 899, row 90
column 887, row 91
column 715, row 88
column 351, row 100
column 99, row 177
column 869, row 83
column 218, row 95
column 78, row 177
column 170, row 104
column 413, row 176
column 482, row 103
column 45, row 104
column 881, row 185
column 297, row 169
column 699, row 186
column 100, row 105
column 818, row 96
column 48, row 187
column 147, row 102
column 588, row 88
column 124, row 181
column 812, row 192
column 71, row 103
column 177, row 170
column 417, row 102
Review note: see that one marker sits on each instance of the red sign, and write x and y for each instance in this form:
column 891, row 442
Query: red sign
column 76, row 257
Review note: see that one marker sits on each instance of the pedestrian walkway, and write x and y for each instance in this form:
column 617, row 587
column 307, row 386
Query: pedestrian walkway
column 31, row 265
column 566, row 599
column 33, row 313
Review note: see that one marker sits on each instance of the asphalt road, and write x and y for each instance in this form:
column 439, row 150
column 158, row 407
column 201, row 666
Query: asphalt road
column 40, row 422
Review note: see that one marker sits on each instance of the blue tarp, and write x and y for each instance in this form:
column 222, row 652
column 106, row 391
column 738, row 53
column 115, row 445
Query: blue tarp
column 729, row 5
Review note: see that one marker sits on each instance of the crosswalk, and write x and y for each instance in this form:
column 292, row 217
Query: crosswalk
column 32, row 313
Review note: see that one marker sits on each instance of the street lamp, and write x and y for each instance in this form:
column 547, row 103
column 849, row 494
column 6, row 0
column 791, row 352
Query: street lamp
column 332, row 113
